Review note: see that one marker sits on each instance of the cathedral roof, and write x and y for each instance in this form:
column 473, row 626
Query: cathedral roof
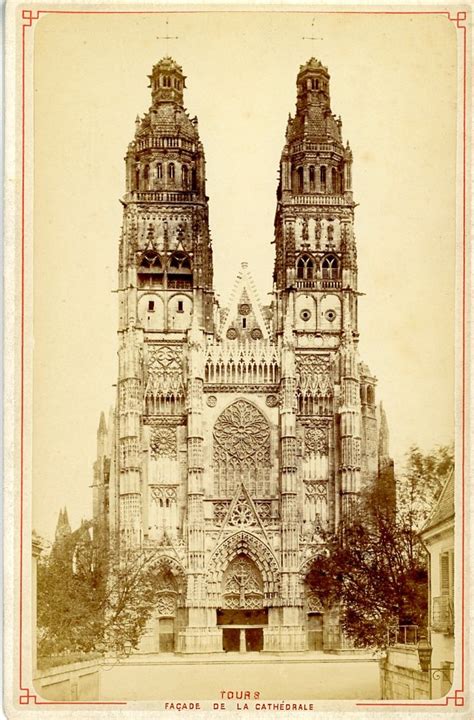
column 167, row 119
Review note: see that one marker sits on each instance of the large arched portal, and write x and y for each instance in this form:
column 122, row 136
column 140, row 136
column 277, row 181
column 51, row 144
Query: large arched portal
column 321, row 608
column 242, row 615
column 169, row 587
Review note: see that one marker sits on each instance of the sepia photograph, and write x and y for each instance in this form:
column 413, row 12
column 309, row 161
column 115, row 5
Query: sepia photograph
column 240, row 412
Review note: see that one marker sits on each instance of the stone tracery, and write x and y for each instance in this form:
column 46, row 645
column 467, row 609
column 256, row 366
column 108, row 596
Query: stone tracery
column 247, row 544
column 242, row 585
column 241, row 450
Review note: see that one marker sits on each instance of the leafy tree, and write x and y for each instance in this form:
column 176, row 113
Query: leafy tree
column 375, row 568
column 421, row 482
column 91, row 597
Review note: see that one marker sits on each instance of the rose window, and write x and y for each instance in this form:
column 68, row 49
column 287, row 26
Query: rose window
column 241, row 430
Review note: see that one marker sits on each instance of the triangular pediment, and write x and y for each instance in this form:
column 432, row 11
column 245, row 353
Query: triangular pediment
column 245, row 317
column 242, row 515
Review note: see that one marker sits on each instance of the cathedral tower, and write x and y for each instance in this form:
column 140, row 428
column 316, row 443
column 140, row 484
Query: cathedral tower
column 315, row 281
column 165, row 279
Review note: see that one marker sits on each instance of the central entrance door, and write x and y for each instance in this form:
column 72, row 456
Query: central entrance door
column 231, row 639
column 242, row 630
column 254, row 639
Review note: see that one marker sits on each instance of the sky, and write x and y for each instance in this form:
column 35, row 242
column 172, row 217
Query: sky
column 393, row 82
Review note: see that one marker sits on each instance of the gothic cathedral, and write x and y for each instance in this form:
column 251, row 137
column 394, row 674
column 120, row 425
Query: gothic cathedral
column 240, row 434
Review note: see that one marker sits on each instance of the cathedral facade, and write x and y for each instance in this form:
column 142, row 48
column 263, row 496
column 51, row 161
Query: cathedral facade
column 239, row 434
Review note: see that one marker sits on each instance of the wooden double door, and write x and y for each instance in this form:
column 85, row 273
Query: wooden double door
column 243, row 639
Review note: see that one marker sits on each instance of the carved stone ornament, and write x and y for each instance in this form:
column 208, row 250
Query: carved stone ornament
column 315, row 489
column 231, row 334
column 264, row 509
column 221, row 509
column 244, row 309
column 242, row 513
column 163, row 442
column 316, row 437
column 163, row 493
column 241, row 430
column 256, row 334
column 271, row 400
column 211, row 400
column 314, row 604
column 165, row 373
column 243, row 587
column 166, row 604
column 313, row 373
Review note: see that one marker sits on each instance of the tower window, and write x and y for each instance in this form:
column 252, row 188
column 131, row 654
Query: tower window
column 300, row 172
column 305, row 268
column 171, row 171
column 146, row 173
column 184, row 174
column 180, row 262
column 314, row 84
column 244, row 322
column 330, row 268
column 179, row 271
column 370, row 395
column 334, row 180
column 150, row 271
column 311, row 178
column 151, row 306
column 159, row 171
column 322, row 175
column 180, row 306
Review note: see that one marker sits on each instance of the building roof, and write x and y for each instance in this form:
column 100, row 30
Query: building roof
column 444, row 506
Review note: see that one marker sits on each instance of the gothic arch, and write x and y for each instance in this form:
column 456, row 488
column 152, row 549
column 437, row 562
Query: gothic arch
column 243, row 543
column 305, row 267
column 305, row 566
column 150, row 260
column 330, row 267
column 168, row 564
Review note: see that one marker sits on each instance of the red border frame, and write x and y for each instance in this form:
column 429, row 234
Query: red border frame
column 28, row 16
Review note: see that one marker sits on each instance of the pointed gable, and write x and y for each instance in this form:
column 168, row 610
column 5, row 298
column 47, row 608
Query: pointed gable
column 242, row 514
column 245, row 316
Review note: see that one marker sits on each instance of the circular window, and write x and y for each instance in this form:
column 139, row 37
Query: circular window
column 231, row 333
column 244, row 309
column 330, row 315
column 305, row 315
column 256, row 334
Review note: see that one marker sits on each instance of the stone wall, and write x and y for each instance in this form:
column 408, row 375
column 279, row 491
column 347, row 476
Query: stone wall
column 400, row 675
column 78, row 681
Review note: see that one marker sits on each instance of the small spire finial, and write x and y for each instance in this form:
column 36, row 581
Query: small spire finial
column 167, row 37
column 312, row 37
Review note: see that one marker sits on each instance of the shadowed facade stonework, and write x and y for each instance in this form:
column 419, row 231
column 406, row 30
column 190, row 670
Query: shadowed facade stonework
column 239, row 434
